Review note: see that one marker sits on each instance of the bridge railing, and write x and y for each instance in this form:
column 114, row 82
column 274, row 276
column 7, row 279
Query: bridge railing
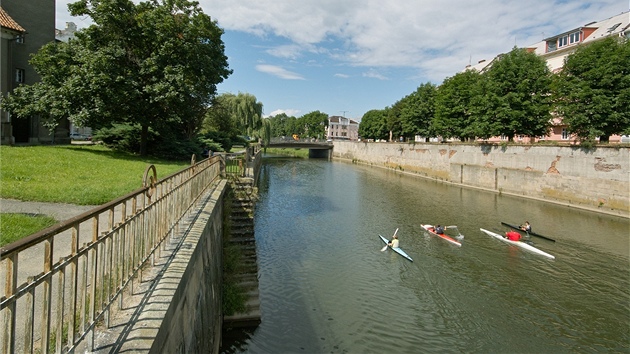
column 63, row 281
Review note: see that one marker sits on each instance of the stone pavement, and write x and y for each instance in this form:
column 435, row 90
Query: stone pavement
column 59, row 211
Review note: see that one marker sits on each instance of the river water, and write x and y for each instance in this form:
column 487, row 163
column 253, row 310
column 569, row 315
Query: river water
column 325, row 286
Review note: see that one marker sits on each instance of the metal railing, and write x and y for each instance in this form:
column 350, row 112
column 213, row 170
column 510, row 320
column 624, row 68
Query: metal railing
column 63, row 281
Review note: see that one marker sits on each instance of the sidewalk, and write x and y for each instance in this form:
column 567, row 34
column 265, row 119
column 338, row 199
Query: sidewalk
column 59, row 211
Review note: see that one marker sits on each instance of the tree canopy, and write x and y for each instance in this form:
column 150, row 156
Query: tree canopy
column 515, row 97
column 155, row 64
column 453, row 106
column 592, row 92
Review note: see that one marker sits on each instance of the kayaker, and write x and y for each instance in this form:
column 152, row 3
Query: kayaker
column 526, row 227
column 513, row 235
column 394, row 242
column 439, row 230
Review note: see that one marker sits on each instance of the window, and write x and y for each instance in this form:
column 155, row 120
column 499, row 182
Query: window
column 551, row 46
column 572, row 38
column 562, row 41
column 565, row 134
column 19, row 39
column 19, row 75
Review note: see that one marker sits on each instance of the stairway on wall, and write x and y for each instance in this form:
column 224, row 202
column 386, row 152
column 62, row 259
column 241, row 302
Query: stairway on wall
column 242, row 234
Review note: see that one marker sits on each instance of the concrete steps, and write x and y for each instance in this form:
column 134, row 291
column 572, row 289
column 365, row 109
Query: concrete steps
column 242, row 235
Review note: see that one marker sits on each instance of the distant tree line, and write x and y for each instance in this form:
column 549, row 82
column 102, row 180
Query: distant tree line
column 310, row 125
column 518, row 95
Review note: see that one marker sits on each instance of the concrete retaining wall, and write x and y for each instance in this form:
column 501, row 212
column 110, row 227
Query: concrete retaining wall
column 191, row 286
column 597, row 179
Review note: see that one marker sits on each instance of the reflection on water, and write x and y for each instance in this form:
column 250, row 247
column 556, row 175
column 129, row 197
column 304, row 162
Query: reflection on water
column 325, row 286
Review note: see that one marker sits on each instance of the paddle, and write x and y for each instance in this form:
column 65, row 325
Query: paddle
column 530, row 234
column 460, row 236
column 384, row 248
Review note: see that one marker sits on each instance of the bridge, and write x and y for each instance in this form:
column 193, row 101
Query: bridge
column 307, row 143
column 317, row 148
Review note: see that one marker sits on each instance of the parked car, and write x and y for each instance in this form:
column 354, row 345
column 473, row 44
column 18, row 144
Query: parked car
column 625, row 138
column 77, row 136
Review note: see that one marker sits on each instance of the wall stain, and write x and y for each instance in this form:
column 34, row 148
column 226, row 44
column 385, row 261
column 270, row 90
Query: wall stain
column 553, row 169
column 601, row 166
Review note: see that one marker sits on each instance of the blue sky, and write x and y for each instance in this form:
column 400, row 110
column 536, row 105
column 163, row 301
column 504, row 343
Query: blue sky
column 346, row 57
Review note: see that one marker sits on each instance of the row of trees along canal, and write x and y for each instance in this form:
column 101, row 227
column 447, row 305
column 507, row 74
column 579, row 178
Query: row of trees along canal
column 145, row 81
column 518, row 95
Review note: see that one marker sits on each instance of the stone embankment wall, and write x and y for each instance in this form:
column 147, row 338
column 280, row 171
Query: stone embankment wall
column 596, row 179
column 191, row 288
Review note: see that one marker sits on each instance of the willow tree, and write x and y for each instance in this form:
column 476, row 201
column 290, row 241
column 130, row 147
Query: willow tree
column 154, row 64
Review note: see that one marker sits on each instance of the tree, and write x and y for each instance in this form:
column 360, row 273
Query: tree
column 515, row 96
column 453, row 114
column 278, row 125
column 374, row 124
column 592, row 92
column 315, row 124
column 155, row 64
column 417, row 111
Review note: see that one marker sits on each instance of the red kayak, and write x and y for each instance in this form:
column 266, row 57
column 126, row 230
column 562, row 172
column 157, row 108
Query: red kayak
column 431, row 230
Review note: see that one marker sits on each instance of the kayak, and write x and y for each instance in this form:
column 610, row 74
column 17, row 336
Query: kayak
column 429, row 228
column 518, row 228
column 396, row 249
column 520, row 244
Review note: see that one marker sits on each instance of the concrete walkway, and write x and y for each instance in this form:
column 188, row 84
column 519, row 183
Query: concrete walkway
column 59, row 211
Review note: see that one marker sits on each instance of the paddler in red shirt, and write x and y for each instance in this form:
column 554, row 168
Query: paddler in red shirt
column 513, row 235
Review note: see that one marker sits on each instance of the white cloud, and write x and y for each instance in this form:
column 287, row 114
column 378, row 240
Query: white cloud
column 402, row 33
column 288, row 112
column 279, row 71
column 436, row 37
column 342, row 76
column 373, row 74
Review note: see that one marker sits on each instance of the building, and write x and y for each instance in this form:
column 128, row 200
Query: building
column 556, row 48
column 26, row 27
column 342, row 128
column 67, row 33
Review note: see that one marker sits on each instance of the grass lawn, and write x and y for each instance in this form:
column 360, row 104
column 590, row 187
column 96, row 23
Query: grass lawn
column 16, row 226
column 287, row 152
column 74, row 174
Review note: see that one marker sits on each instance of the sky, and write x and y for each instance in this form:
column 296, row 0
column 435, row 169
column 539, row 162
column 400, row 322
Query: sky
column 346, row 57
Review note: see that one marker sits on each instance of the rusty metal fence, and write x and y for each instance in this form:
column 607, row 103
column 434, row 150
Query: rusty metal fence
column 63, row 281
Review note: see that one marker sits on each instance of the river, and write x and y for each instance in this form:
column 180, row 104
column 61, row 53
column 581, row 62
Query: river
column 326, row 286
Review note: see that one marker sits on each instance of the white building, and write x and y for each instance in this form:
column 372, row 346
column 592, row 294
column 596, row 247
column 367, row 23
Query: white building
column 342, row 128
column 555, row 50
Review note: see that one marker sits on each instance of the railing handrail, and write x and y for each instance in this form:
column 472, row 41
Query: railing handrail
column 134, row 228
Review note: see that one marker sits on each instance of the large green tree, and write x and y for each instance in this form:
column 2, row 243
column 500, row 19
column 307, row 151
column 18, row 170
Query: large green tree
column 155, row 64
column 453, row 114
column 374, row 124
column 592, row 92
column 516, row 96
column 417, row 111
column 315, row 124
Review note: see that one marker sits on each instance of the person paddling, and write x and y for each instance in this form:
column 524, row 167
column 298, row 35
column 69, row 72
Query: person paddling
column 526, row 227
column 513, row 235
column 394, row 243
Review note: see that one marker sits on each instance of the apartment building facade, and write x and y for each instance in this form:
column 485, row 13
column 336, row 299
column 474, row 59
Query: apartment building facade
column 342, row 128
column 555, row 50
column 26, row 27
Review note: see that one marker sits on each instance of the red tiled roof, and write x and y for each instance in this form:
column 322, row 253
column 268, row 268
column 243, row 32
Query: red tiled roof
column 7, row 22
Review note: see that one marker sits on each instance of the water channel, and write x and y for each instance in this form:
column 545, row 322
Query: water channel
column 325, row 286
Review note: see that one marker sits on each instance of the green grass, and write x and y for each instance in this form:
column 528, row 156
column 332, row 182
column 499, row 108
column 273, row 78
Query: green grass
column 287, row 152
column 74, row 174
column 16, row 226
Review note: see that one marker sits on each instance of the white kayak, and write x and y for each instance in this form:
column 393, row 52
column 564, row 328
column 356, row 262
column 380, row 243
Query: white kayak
column 395, row 249
column 520, row 244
